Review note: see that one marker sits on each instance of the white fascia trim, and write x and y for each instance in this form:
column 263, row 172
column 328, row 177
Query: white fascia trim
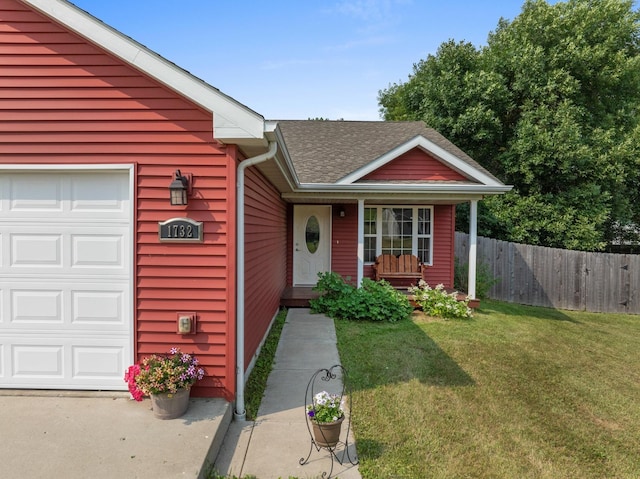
column 404, row 188
column 274, row 134
column 420, row 141
column 232, row 119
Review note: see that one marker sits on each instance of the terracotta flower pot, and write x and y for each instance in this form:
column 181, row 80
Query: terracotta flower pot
column 327, row 434
column 170, row 405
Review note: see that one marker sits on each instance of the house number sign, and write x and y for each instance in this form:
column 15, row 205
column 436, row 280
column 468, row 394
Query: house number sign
column 180, row 230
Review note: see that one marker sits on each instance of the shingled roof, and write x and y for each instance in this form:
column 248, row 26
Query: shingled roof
column 326, row 151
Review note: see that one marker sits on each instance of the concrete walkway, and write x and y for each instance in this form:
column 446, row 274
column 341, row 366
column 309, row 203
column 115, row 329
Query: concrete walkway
column 272, row 446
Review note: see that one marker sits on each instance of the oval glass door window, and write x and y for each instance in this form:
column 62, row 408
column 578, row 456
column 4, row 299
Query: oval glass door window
column 312, row 234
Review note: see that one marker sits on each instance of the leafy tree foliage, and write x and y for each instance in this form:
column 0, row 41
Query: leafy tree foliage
column 550, row 105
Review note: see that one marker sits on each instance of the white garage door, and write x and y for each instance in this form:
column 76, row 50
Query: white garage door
column 65, row 279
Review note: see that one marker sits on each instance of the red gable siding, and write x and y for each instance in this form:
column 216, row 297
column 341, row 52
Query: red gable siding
column 64, row 101
column 415, row 165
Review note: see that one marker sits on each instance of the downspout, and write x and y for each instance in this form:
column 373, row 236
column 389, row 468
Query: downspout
column 240, row 413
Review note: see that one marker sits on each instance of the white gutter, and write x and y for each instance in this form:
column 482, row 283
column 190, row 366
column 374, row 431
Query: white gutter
column 240, row 413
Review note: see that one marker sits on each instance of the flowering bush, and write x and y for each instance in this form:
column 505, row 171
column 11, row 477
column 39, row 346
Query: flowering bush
column 437, row 302
column 373, row 301
column 326, row 407
column 163, row 374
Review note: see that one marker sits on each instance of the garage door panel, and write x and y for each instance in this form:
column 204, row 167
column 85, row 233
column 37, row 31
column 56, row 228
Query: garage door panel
column 31, row 306
column 36, row 249
column 35, row 193
column 98, row 250
column 37, row 361
column 63, row 362
column 99, row 308
column 65, row 279
column 86, row 250
column 93, row 193
column 36, row 308
column 97, row 362
column 65, row 195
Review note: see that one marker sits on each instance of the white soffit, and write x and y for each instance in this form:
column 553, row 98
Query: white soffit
column 233, row 121
column 420, row 141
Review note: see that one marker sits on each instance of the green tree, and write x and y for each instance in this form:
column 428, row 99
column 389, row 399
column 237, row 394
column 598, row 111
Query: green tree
column 550, row 105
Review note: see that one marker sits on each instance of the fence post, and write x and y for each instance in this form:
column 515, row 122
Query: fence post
column 473, row 249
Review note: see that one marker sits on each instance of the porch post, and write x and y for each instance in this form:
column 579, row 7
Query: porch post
column 360, row 251
column 473, row 246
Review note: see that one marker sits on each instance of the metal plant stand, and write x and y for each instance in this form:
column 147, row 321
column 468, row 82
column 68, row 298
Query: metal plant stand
column 327, row 376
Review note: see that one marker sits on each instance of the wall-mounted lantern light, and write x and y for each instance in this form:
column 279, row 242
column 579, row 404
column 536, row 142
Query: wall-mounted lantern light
column 341, row 212
column 179, row 189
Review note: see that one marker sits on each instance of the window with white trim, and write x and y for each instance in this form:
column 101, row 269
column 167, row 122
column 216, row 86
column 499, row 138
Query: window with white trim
column 398, row 230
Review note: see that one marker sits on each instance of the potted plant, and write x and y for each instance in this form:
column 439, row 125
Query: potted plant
column 326, row 414
column 167, row 379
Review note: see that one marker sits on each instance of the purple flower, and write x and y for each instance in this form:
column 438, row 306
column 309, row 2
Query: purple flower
column 174, row 350
column 311, row 413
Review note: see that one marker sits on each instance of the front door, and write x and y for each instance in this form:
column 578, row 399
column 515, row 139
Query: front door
column 311, row 243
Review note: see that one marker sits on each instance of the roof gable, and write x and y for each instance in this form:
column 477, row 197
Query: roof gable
column 451, row 161
column 415, row 165
column 233, row 122
column 345, row 152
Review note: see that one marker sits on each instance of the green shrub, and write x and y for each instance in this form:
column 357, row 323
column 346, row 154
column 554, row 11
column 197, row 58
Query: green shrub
column 437, row 302
column 373, row 301
column 484, row 278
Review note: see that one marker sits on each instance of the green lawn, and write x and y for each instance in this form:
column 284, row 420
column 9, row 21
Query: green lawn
column 515, row 392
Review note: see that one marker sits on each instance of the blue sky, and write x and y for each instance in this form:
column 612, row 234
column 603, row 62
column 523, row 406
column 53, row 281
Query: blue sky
column 289, row 59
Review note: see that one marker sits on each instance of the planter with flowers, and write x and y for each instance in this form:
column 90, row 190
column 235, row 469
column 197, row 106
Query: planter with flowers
column 326, row 414
column 167, row 379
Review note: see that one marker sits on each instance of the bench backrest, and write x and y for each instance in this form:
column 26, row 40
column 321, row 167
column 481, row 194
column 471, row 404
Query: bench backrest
column 387, row 263
column 405, row 263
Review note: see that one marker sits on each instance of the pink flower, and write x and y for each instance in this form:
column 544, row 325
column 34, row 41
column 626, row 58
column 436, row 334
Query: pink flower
column 130, row 377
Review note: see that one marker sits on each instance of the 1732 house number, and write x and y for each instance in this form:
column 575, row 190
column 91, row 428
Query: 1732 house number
column 180, row 230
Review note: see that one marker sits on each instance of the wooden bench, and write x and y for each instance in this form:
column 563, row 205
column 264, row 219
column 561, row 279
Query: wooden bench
column 405, row 266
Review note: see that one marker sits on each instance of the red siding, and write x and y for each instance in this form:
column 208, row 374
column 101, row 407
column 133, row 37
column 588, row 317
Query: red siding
column 265, row 257
column 444, row 225
column 344, row 259
column 64, row 101
column 415, row 165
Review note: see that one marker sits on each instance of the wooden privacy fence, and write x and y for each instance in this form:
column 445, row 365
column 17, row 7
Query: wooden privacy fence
column 558, row 278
